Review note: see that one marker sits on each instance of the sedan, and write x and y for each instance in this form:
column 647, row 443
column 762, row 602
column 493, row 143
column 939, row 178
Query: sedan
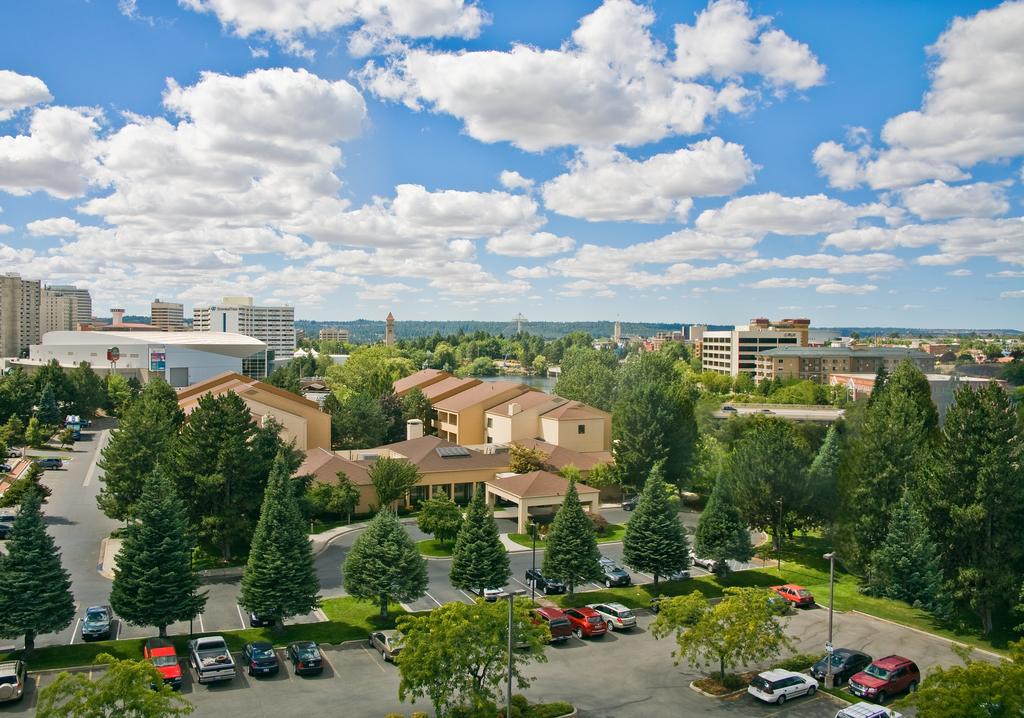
column 260, row 659
column 543, row 583
column 777, row 686
column 845, row 663
column 630, row 503
column 96, row 624
column 389, row 643
column 5, row 468
column 259, row 620
column 305, row 657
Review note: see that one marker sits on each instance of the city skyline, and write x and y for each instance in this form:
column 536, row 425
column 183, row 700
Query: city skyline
column 664, row 162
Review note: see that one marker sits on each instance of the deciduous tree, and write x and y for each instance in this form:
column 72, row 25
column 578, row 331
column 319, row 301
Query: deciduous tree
column 440, row 517
column 479, row 559
column 384, row 564
column 722, row 534
column 977, row 689
column 370, row 370
column 392, row 479
column 589, row 376
column 523, row 459
column 570, row 553
column 415, row 405
column 655, row 541
column 358, row 421
column 88, row 392
column 36, row 434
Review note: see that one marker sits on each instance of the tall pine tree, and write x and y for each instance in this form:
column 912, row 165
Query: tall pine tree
column 154, row 584
column 144, row 434
column 655, row 541
column 823, row 480
column 384, row 564
column 722, row 534
column 479, row 559
column 35, row 590
column 570, row 552
column 280, row 579
column 48, row 412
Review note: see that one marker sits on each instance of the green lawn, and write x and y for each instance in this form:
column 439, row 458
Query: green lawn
column 207, row 556
column 348, row 619
column 803, row 564
column 433, row 547
column 615, row 533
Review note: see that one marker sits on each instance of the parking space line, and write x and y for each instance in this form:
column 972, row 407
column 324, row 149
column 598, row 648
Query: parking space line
column 323, row 654
column 202, row 628
column 373, row 658
column 432, row 599
column 521, row 583
column 117, row 634
column 240, row 618
column 319, row 613
column 74, row 631
column 472, row 599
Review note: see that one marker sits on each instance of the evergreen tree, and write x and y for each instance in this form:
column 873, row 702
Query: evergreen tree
column 119, row 394
column 35, row 435
column 906, row 565
column 722, row 533
column 17, row 395
column 881, row 378
column 88, row 392
column 52, row 374
column 28, row 481
column 35, row 590
column 384, row 564
column 13, row 431
column 972, row 493
column 415, row 405
column 154, row 584
column 655, row 541
column 360, row 420
column 280, row 579
column 394, row 417
column 479, row 559
column 48, row 412
column 570, row 553
column 145, row 433
column 823, row 480
column 898, row 430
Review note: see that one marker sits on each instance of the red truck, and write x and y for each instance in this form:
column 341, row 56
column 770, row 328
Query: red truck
column 160, row 652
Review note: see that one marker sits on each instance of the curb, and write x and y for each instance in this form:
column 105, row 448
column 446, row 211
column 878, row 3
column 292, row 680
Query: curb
column 693, row 687
column 933, row 635
column 342, row 530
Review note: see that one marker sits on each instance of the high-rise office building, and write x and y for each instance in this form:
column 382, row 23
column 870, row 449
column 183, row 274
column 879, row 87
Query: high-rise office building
column 272, row 325
column 735, row 351
column 333, row 334
column 56, row 311
column 19, row 314
column 81, row 302
column 167, row 316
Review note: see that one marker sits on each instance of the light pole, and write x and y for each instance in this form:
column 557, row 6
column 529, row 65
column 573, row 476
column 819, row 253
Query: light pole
column 778, row 540
column 533, row 581
column 831, row 556
column 511, row 596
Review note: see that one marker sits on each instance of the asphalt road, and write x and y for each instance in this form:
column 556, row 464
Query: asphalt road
column 827, row 414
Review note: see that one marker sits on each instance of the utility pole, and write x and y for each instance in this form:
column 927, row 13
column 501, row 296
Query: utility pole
column 778, row 540
column 829, row 678
column 511, row 596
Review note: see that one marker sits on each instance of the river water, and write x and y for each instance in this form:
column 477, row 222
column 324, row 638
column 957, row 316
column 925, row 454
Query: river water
column 544, row 383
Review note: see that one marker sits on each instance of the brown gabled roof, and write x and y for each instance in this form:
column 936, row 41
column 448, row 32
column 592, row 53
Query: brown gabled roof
column 525, row 401
column 537, row 484
column 421, row 379
column 575, row 410
column 560, row 457
column 447, row 387
column 488, row 391
column 324, row 466
column 232, row 381
column 423, row 453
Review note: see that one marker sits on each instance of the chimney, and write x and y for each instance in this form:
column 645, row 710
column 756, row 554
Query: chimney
column 117, row 316
column 514, row 408
column 413, row 429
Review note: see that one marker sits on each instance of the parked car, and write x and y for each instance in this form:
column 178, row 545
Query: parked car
column 586, row 622
column 257, row 620
column 12, row 680
column 305, row 657
column 13, row 453
column 389, row 643
column 160, row 652
column 614, row 575
column 260, row 659
column 708, row 564
column 543, row 584
column 730, row 409
column 629, row 504
column 615, row 615
column 50, row 462
column 778, row 686
column 489, row 594
column 6, row 524
column 796, row 595
column 655, row 604
column 557, row 622
column 678, row 575
column 845, row 663
column 867, row 710
column 210, row 658
column 885, row 678
column 96, row 624
column 6, row 468
column 766, row 411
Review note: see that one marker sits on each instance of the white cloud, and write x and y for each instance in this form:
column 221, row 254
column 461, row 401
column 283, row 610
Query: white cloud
column 612, row 84
column 385, row 291
column 53, row 227
column 604, row 185
column 820, row 285
column 960, row 273
column 20, row 91
column 522, row 244
column 6, row 229
column 58, row 155
column 938, row 200
column 771, row 212
column 1015, row 294
column 512, row 180
column 376, row 21
column 521, row 272
column 1007, row 274
column 259, row 52
column 727, row 42
column 973, row 111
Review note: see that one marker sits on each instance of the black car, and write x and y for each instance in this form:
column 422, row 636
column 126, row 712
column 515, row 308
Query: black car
column 97, row 622
column 846, row 662
column 6, row 524
column 305, row 657
column 260, row 659
column 50, row 463
column 5, row 468
column 614, row 575
column 542, row 584
column 630, row 503
column 258, row 620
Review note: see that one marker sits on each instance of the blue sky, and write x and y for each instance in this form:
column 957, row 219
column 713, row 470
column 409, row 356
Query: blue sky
column 855, row 163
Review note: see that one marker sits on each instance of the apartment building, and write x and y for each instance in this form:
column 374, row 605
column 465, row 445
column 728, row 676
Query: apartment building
column 560, row 422
column 272, row 325
column 19, row 314
column 419, row 380
column 57, row 312
column 167, row 316
column 81, row 302
column 334, row 335
column 460, row 417
column 818, row 364
column 734, row 351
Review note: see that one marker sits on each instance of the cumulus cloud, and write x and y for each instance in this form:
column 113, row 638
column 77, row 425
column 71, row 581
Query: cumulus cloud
column 20, row 91
column 820, row 285
column 608, row 185
column 57, row 155
column 521, row 272
column 376, row 22
column 761, row 214
column 512, row 180
column 612, row 84
column 522, row 244
column 973, row 111
column 1014, row 294
column 938, row 200
column 960, row 273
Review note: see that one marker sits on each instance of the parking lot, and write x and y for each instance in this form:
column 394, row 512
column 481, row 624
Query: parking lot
column 623, row 674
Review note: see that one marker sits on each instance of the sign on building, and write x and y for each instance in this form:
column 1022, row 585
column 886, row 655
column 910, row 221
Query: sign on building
column 158, row 359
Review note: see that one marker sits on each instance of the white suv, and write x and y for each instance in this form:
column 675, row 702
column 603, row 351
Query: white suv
column 778, row 686
column 867, row 710
column 12, row 680
column 615, row 615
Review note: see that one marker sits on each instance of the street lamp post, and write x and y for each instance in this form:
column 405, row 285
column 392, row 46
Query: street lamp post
column 778, row 539
column 831, row 556
column 511, row 596
column 533, row 581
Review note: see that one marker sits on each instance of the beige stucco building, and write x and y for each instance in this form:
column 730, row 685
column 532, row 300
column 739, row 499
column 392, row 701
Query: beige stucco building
column 420, row 380
column 460, row 417
column 537, row 490
column 819, row 363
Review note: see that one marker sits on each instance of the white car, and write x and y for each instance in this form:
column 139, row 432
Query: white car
column 778, row 686
column 708, row 564
column 490, row 594
column 867, row 710
column 615, row 615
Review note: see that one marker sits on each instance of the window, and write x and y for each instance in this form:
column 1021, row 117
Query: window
column 490, row 422
column 581, row 429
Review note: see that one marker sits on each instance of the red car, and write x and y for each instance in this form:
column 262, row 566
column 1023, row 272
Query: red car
column 886, row 677
column 796, row 595
column 586, row 622
column 556, row 620
column 160, row 652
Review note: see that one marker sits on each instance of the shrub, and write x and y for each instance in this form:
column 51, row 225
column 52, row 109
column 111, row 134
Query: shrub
column 600, row 523
column 799, row 662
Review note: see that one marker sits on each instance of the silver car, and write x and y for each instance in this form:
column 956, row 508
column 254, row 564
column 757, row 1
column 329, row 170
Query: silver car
column 615, row 615
column 12, row 680
column 389, row 643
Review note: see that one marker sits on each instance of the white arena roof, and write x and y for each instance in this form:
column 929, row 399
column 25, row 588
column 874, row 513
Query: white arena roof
column 226, row 343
